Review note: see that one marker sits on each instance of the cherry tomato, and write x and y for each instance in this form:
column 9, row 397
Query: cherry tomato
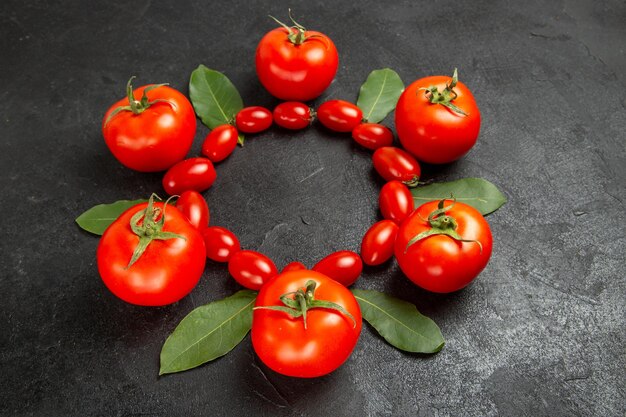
column 293, row 266
column 253, row 119
column 296, row 64
column 195, row 209
column 440, row 263
column 395, row 164
column 378, row 243
column 343, row 266
column 169, row 267
column 395, row 201
column 221, row 244
column 339, row 115
column 156, row 134
column 433, row 132
column 251, row 269
column 195, row 174
column 284, row 344
column 220, row 143
column 372, row 135
column 293, row 115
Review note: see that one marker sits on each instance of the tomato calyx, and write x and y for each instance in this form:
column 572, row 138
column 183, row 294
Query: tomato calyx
column 296, row 33
column 151, row 228
column 413, row 182
column 137, row 106
column 446, row 96
column 297, row 303
column 441, row 224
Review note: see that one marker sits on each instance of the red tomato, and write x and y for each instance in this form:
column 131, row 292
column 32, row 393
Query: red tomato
column 284, row 344
column 169, row 267
column 195, row 209
column 293, row 266
column 343, row 266
column 221, row 244
column 253, row 119
column 372, row 135
column 378, row 243
column 395, row 164
column 195, row 174
column 295, row 63
column 339, row 115
column 433, row 132
column 220, row 143
column 440, row 263
column 251, row 269
column 395, row 201
column 293, row 115
column 155, row 130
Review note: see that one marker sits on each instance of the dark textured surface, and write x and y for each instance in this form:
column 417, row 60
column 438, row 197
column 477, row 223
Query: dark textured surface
column 541, row 332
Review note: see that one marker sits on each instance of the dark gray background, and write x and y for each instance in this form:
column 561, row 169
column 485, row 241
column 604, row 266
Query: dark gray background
column 540, row 332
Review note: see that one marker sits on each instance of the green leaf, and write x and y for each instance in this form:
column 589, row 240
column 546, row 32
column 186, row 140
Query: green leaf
column 98, row 218
column 399, row 322
column 208, row 332
column 477, row 192
column 379, row 94
column 215, row 99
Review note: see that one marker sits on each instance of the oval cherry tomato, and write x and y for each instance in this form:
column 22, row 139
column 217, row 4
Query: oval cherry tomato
column 195, row 209
column 395, row 164
column 251, row 269
column 157, row 136
column 293, row 266
column 372, row 135
column 284, row 344
column 221, row 244
column 378, row 243
column 339, row 115
column 195, row 174
column 433, row 132
column 440, row 263
column 395, row 201
column 294, row 64
column 253, row 119
column 220, row 143
column 343, row 266
column 168, row 268
column 293, row 115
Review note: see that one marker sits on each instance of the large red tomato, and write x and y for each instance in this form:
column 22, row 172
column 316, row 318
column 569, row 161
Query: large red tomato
column 151, row 129
column 287, row 343
column 442, row 249
column 151, row 255
column 437, row 119
column 296, row 64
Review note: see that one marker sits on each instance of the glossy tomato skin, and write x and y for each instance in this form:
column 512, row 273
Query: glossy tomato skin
column 294, row 266
column 396, row 164
column 284, row 345
column 194, row 208
column 167, row 270
column 253, row 119
column 220, row 143
column 293, row 115
column 197, row 174
column 343, row 266
column 221, row 244
column 434, row 133
column 251, row 269
column 372, row 135
column 395, row 201
column 339, row 115
column 439, row 263
column 296, row 72
column 378, row 243
column 155, row 139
